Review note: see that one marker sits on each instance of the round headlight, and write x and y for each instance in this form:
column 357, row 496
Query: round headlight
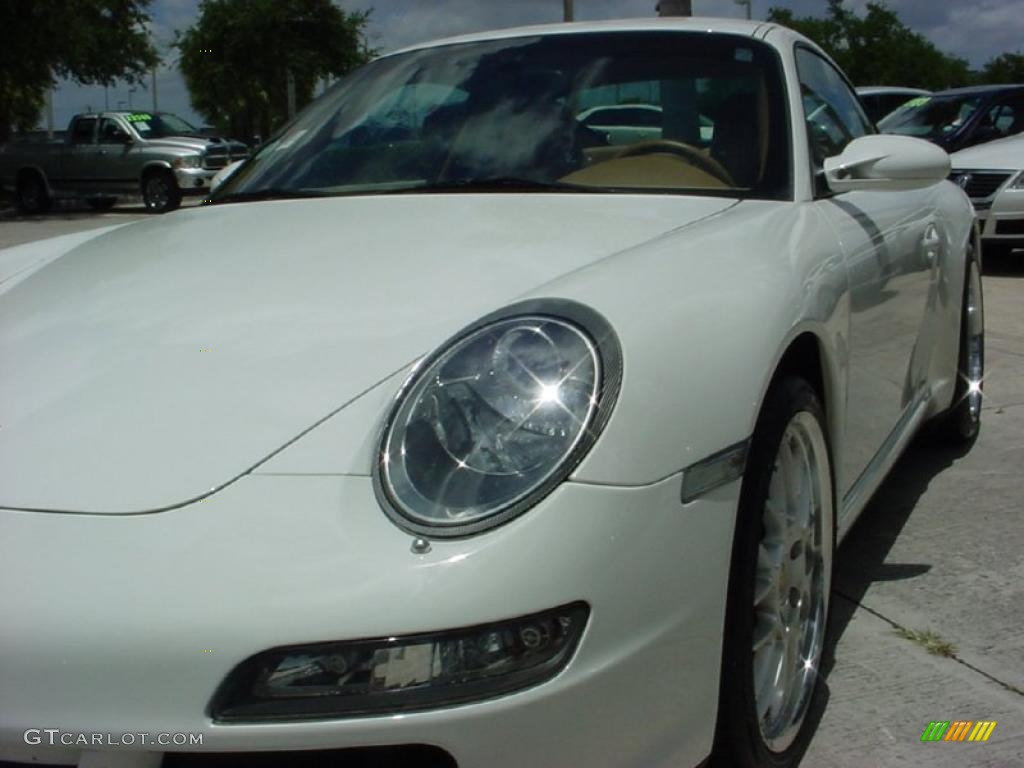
column 493, row 421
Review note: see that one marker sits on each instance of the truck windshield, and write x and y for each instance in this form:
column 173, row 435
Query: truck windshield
column 664, row 112
column 932, row 117
column 156, row 125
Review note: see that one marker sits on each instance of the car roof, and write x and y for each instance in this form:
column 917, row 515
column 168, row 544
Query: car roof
column 872, row 90
column 649, row 24
column 980, row 89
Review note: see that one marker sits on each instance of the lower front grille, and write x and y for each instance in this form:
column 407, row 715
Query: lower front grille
column 1010, row 227
column 405, row 756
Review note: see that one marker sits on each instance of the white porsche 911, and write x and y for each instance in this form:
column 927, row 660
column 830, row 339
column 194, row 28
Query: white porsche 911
column 451, row 432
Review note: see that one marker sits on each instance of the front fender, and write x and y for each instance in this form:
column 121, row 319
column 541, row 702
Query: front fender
column 704, row 316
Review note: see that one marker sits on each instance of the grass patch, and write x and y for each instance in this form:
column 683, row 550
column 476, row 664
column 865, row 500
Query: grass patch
column 929, row 640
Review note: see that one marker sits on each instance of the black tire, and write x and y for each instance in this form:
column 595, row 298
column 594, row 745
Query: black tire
column 160, row 192
column 32, row 196
column 741, row 740
column 961, row 423
column 101, row 203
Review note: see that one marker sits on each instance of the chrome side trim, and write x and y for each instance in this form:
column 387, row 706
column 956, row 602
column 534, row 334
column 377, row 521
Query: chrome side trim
column 714, row 471
column 864, row 488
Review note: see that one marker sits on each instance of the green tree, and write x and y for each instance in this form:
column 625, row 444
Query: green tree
column 237, row 58
column 1005, row 68
column 90, row 41
column 877, row 48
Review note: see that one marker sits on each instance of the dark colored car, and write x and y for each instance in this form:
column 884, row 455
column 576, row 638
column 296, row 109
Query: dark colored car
column 961, row 117
column 879, row 100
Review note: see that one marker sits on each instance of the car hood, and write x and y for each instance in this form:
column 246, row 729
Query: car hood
column 196, row 143
column 160, row 361
column 1002, row 154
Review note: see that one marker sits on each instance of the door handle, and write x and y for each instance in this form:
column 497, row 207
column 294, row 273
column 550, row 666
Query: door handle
column 931, row 241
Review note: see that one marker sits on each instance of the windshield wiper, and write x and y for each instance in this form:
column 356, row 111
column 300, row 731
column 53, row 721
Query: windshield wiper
column 495, row 184
column 273, row 193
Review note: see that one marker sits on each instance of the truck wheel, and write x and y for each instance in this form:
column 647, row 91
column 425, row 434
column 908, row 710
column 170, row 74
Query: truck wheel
column 160, row 192
column 32, row 196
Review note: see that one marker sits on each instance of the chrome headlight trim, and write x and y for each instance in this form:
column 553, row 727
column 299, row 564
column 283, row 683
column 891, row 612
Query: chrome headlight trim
column 607, row 351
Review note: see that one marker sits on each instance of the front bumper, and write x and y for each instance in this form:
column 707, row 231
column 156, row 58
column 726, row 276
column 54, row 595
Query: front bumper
column 127, row 624
column 193, row 181
column 1003, row 222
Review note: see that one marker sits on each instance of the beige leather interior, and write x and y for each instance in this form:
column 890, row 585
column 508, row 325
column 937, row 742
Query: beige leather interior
column 661, row 170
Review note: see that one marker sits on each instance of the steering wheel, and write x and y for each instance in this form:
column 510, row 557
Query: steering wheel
column 689, row 153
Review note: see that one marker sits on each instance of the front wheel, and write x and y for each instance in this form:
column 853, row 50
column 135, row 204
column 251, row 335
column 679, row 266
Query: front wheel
column 779, row 583
column 160, row 192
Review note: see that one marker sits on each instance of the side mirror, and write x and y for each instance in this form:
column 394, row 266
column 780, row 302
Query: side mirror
column 887, row 162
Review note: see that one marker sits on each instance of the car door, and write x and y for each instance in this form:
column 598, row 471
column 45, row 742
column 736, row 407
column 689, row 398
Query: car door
column 78, row 155
column 114, row 164
column 890, row 242
column 1004, row 116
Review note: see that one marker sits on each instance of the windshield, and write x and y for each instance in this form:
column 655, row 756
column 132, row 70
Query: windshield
column 157, row 125
column 932, row 117
column 664, row 111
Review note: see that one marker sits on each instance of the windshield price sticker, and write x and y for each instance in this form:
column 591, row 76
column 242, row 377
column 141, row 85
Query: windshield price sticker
column 139, row 117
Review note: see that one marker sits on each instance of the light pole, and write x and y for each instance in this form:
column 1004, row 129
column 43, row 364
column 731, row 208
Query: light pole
column 745, row 3
column 567, row 12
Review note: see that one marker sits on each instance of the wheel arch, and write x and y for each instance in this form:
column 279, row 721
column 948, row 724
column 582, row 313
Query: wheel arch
column 155, row 166
column 25, row 170
column 806, row 355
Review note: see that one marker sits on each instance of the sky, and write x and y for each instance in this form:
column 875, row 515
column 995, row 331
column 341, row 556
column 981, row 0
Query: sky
column 976, row 30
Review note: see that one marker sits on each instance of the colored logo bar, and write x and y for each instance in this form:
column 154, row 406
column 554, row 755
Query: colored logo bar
column 958, row 730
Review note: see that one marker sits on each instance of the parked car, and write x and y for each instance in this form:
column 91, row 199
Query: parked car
column 961, row 117
column 992, row 175
column 110, row 155
column 633, row 123
column 880, row 100
column 491, row 439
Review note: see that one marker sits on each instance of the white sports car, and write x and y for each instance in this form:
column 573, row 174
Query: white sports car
column 992, row 174
column 448, row 433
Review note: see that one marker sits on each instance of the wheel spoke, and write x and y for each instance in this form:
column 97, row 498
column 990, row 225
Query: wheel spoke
column 767, row 628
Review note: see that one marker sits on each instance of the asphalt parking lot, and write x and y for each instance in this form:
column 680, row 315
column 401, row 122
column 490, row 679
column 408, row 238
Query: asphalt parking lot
column 934, row 564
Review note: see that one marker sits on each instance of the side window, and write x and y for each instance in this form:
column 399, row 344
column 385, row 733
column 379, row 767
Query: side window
column 111, row 132
column 81, row 132
column 833, row 114
column 1006, row 117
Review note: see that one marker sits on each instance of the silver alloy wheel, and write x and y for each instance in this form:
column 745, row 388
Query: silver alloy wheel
column 158, row 193
column 793, row 578
column 975, row 328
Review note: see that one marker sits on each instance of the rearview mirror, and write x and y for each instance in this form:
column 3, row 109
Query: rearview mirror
column 886, row 162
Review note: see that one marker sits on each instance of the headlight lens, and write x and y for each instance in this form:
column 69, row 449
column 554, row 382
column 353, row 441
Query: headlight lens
column 190, row 161
column 494, row 421
column 1017, row 183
